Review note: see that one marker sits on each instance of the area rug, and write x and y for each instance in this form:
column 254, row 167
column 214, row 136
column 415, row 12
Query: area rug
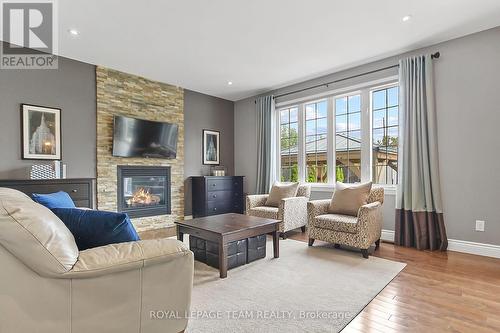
column 307, row 289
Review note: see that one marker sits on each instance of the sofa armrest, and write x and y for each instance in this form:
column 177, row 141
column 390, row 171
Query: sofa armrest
column 370, row 220
column 256, row 200
column 318, row 207
column 127, row 256
column 293, row 212
column 315, row 208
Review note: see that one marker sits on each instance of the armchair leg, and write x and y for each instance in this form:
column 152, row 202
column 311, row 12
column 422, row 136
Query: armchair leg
column 311, row 241
column 303, row 228
column 377, row 244
column 283, row 235
column 364, row 252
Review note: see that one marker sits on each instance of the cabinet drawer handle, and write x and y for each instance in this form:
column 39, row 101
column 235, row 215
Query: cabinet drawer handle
column 74, row 190
column 215, row 209
column 214, row 196
column 213, row 185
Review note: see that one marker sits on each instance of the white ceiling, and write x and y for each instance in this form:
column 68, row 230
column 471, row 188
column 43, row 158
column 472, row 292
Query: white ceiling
column 258, row 44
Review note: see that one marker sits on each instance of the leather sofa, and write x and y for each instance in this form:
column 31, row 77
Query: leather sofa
column 47, row 285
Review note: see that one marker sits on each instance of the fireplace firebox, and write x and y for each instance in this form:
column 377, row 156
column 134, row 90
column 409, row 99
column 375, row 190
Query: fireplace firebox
column 143, row 190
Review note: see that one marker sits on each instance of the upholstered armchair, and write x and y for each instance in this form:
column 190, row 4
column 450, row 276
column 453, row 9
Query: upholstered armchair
column 291, row 211
column 48, row 286
column 356, row 231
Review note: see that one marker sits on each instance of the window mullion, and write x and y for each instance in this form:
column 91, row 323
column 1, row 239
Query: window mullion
column 278, row 145
column 301, row 144
column 330, row 140
column 366, row 140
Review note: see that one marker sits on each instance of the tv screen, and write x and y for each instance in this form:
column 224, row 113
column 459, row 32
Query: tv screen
column 144, row 138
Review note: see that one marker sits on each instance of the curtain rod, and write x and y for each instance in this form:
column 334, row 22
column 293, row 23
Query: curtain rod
column 433, row 56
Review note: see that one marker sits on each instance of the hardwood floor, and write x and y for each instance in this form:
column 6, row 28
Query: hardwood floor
column 436, row 292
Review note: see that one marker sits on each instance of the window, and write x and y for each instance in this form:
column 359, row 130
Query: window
column 289, row 134
column 348, row 139
column 316, row 145
column 385, row 135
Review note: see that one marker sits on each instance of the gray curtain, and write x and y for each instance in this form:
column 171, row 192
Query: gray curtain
column 419, row 212
column 264, row 107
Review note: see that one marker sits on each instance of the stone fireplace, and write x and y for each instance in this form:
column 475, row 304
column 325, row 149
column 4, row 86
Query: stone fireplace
column 143, row 190
column 128, row 95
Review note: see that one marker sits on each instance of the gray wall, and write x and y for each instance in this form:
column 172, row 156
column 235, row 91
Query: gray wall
column 468, row 98
column 71, row 88
column 205, row 112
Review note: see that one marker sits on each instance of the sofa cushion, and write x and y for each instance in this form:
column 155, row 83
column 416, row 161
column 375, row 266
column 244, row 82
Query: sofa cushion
column 280, row 191
column 337, row 222
column 348, row 198
column 376, row 194
column 265, row 212
column 304, row 190
column 34, row 235
column 93, row 228
column 59, row 199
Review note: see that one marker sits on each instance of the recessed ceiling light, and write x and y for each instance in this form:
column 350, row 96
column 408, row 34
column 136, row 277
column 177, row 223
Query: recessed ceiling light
column 74, row 32
column 229, row 83
column 406, row 18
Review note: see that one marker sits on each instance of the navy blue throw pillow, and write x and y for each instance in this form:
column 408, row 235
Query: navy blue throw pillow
column 59, row 199
column 93, row 228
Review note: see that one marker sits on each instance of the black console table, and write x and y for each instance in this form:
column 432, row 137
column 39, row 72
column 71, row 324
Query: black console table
column 81, row 190
column 213, row 195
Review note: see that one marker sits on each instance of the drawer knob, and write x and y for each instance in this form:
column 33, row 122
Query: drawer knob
column 74, row 190
column 215, row 209
column 214, row 196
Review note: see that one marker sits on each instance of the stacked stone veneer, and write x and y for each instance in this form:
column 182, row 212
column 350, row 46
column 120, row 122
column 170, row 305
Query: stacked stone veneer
column 128, row 95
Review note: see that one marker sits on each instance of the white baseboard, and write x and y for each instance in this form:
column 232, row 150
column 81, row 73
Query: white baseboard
column 480, row 249
column 387, row 235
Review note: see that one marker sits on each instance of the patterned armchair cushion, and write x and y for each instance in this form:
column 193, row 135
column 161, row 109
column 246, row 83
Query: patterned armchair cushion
column 265, row 212
column 304, row 191
column 376, row 194
column 337, row 222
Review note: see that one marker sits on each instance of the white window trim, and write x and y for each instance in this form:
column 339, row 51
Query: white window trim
column 365, row 90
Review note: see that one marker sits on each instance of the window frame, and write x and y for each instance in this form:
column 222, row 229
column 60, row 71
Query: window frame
column 371, row 91
column 304, row 135
column 365, row 91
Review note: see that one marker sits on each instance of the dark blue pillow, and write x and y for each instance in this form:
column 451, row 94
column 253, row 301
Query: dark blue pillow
column 93, row 228
column 54, row 200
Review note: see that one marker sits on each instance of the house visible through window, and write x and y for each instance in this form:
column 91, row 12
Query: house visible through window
column 316, row 142
column 350, row 138
column 289, row 132
column 385, row 110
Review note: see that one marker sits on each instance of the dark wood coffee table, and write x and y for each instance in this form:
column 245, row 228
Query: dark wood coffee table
column 226, row 228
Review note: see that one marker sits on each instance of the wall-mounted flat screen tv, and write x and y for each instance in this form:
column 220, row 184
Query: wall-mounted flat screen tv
column 144, row 138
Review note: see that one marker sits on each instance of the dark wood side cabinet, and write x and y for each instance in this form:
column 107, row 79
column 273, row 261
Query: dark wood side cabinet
column 217, row 195
column 81, row 190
